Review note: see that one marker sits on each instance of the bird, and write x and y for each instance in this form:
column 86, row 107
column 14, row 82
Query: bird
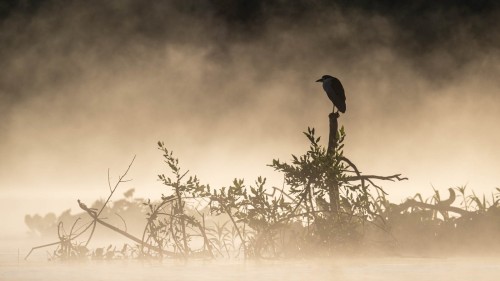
column 334, row 91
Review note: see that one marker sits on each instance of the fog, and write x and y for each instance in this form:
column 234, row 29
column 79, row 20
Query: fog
column 84, row 88
column 356, row 269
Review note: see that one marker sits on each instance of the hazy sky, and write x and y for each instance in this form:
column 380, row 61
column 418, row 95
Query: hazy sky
column 228, row 86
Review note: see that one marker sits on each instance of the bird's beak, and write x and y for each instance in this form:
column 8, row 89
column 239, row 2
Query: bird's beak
column 319, row 80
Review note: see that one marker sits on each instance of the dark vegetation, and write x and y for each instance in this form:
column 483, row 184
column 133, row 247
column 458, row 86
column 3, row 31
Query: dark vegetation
column 325, row 207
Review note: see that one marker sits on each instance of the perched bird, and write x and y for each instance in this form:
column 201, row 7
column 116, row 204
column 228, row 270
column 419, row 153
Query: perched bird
column 335, row 91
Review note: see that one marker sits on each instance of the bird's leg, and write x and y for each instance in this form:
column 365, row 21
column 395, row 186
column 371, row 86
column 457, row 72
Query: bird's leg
column 335, row 113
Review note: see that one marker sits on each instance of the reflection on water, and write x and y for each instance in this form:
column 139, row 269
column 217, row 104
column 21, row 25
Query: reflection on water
column 338, row 269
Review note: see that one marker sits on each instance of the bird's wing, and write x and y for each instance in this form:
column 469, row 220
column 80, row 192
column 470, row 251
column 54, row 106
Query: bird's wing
column 338, row 88
column 335, row 92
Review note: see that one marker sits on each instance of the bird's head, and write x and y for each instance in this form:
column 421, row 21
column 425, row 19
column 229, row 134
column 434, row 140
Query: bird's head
column 325, row 77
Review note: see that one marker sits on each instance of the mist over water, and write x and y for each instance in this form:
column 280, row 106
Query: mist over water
column 84, row 87
column 228, row 86
column 351, row 269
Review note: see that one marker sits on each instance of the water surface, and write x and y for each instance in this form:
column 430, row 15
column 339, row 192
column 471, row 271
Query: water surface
column 457, row 269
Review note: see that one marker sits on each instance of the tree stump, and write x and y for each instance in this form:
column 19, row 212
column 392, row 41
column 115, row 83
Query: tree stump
column 332, row 139
column 333, row 192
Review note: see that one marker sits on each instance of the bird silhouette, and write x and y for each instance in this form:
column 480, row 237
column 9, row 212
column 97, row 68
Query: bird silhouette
column 334, row 91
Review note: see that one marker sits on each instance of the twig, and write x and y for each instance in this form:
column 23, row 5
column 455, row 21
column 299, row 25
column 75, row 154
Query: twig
column 120, row 180
column 228, row 212
column 124, row 222
column 150, row 221
column 369, row 177
column 131, row 237
column 41, row 246
column 350, row 163
column 439, row 207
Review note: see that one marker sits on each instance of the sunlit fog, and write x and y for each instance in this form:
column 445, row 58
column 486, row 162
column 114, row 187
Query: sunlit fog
column 228, row 86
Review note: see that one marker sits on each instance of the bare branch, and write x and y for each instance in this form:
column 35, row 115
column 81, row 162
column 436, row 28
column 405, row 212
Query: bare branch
column 120, row 180
column 109, row 182
column 131, row 237
column 350, row 163
column 439, row 207
column 124, row 223
column 370, row 177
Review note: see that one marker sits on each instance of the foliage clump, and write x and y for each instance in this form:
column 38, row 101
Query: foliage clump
column 326, row 206
column 323, row 205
